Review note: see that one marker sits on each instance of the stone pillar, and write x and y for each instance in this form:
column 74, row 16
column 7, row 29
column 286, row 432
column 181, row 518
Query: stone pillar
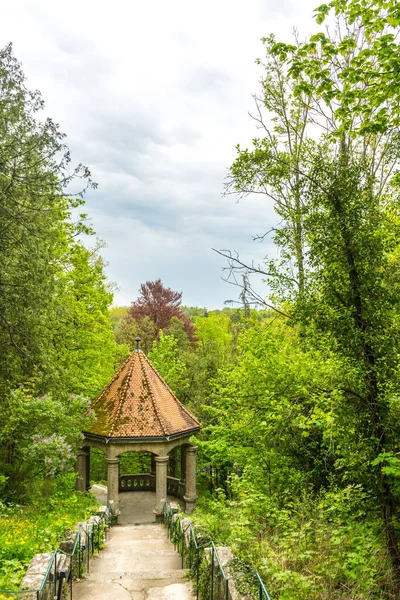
column 161, row 485
column 87, row 451
column 113, row 485
column 183, row 464
column 81, row 467
column 190, row 496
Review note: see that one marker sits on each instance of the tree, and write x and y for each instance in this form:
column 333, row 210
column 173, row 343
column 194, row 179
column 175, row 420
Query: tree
column 34, row 226
column 35, row 443
column 352, row 219
column 56, row 341
column 160, row 305
column 367, row 98
column 332, row 84
column 166, row 357
column 129, row 329
column 348, row 83
column 117, row 314
column 352, row 232
column 86, row 352
column 275, row 167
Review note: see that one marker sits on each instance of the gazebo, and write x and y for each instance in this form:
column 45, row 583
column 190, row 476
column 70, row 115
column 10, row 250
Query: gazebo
column 138, row 411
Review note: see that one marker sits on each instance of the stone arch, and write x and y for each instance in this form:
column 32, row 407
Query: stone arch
column 156, row 479
column 97, row 464
column 134, row 462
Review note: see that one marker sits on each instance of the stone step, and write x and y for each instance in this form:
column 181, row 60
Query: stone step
column 154, row 575
column 138, row 563
column 149, row 591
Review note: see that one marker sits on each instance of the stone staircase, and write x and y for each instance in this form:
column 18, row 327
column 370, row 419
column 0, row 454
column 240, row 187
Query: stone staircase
column 138, row 563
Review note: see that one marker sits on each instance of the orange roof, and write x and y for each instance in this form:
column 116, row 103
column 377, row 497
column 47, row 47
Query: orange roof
column 137, row 403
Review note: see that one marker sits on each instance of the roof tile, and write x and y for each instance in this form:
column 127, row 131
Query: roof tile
column 137, row 403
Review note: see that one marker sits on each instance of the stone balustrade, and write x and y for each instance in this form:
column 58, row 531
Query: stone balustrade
column 146, row 482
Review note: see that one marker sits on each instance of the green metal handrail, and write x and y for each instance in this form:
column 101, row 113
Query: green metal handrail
column 186, row 542
column 262, row 591
column 95, row 537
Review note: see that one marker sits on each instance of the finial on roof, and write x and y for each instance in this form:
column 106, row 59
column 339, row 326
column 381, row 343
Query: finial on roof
column 138, row 340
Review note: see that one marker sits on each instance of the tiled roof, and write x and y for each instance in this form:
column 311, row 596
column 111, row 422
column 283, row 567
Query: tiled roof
column 138, row 403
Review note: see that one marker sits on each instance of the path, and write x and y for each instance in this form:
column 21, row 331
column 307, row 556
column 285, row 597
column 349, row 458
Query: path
column 138, row 563
column 136, row 507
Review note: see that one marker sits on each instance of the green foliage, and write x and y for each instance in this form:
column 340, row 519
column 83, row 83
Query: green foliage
column 275, row 407
column 117, row 314
column 309, row 412
column 25, row 531
column 87, row 352
column 325, row 546
column 165, row 357
column 56, row 342
column 355, row 74
column 38, row 440
column 214, row 328
column 128, row 329
column 135, row 462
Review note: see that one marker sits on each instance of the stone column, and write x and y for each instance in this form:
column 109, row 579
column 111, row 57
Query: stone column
column 81, row 467
column 161, row 485
column 183, row 464
column 113, row 485
column 87, row 451
column 190, row 496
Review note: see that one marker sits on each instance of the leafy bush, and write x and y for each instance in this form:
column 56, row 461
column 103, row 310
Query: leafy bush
column 317, row 547
column 38, row 439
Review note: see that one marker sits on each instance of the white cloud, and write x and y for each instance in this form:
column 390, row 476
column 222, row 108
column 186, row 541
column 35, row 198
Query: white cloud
column 154, row 96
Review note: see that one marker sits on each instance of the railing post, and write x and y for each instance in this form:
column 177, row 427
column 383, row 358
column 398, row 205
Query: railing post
column 212, row 574
column 55, row 574
column 197, row 571
column 63, row 575
column 71, row 575
column 88, row 551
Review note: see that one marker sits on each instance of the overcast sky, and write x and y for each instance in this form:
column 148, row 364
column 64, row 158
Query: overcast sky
column 154, row 96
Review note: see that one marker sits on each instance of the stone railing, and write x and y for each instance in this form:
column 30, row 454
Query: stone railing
column 175, row 487
column 48, row 573
column 146, row 482
column 214, row 569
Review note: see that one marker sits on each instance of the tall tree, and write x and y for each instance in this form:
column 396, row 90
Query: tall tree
column 159, row 304
column 274, row 168
column 353, row 232
column 34, row 225
column 55, row 331
column 349, row 218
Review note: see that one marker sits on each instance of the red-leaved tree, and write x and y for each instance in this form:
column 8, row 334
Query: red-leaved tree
column 160, row 304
